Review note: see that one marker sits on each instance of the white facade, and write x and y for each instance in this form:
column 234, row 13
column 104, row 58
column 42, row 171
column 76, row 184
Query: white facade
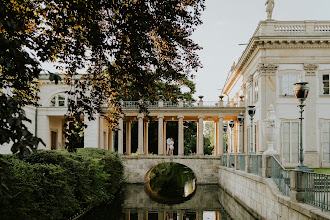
column 278, row 54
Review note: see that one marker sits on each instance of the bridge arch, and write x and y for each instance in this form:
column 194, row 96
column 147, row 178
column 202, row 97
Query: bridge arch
column 205, row 168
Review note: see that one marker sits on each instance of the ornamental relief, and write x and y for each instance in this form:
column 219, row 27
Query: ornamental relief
column 310, row 69
column 267, row 69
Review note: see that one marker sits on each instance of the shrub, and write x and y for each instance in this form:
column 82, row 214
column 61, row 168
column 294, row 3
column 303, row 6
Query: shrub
column 56, row 184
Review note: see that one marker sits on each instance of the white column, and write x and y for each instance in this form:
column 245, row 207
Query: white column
column 146, row 137
column 121, row 136
column 241, row 146
column 140, row 134
column 200, row 136
column 100, row 133
column 164, row 138
column 128, row 137
column 110, row 143
column 216, row 137
column 181, row 136
column 221, row 149
column 160, row 134
column 91, row 133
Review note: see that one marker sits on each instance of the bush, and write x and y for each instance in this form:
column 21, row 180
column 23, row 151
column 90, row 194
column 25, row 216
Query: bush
column 57, row 184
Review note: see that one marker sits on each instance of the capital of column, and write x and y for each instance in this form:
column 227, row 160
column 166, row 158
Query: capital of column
column 161, row 116
column 221, row 117
column 180, row 116
column 140, row 116
column 200, row 117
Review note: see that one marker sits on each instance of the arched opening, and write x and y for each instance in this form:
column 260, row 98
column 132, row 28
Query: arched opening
column 170, row 183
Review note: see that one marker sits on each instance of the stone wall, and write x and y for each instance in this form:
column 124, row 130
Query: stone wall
column 205, row 167
column 261, row 197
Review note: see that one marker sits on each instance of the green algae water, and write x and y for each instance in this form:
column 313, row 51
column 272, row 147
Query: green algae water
column 170, row 192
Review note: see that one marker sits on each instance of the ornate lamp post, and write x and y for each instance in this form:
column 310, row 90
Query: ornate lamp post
column 225, row 127
column 301, row 93
column 231, row 125
column 251, row 112
column 240, row 119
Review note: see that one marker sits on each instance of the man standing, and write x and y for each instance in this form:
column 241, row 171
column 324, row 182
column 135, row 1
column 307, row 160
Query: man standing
column 269, row 9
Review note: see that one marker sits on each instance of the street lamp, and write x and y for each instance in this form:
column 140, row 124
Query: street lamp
column 231, row 125
column 251, row 112
column 240, row 119
column 225, row 127
column 301, row 93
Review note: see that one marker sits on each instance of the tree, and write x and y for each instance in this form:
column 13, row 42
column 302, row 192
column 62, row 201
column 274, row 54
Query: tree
column 209, row 135
column 127, row 47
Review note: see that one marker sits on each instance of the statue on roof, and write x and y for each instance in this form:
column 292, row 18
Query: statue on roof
column 269, row 9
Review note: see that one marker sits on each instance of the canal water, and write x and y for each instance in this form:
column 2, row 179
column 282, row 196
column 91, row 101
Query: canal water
column 170, row 192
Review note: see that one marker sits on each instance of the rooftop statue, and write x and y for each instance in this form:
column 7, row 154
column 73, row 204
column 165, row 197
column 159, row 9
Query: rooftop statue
column 269, row 9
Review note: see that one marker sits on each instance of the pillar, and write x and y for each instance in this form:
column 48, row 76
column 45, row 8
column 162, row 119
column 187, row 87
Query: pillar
column 240, row 134
column 181, row 136
column 110, row 142
column 128, row 137
column 140, row 134
column 216, row 138
column 164, row 138
column 101, row 135
column 146, row 123
column 121, row 136
column 200, row 136
column 91, row 133
column 160, row 135
column 221, row 144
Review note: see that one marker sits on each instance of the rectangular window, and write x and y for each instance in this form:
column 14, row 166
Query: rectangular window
column 325, row 141
column 290, row 142
column 256, row 91
column 325, row 80
column 288, row 81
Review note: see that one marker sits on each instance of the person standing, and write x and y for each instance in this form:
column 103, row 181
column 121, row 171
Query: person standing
column 168, row 142
column 171, row 146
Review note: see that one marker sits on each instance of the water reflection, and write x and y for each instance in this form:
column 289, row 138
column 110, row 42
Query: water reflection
column 170, row 183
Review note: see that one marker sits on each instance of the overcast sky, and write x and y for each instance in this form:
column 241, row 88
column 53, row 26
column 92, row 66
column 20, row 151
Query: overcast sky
column 228, row 23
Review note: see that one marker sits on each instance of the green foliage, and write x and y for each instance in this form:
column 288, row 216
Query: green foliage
column 127, row 48
column 57, row 184
column 209, row 138
column 13, row 129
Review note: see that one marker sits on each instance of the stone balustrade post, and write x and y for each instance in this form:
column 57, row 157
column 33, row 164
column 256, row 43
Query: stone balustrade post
column 298, row 184
column 237, row 162
column 160, row 101
column 248, row 164
column 200, row 103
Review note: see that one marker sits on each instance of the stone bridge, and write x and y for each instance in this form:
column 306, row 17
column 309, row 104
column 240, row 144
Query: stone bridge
column 205, row 167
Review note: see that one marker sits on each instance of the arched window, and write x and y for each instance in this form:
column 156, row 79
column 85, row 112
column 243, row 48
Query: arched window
column 59, row 100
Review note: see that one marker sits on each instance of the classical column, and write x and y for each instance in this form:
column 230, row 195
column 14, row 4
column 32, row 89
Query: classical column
column 221, row 149
column 140, row 134
column 101, row 135
column 128, row 137
column 110, row 143
column 146, row 137
column 181, row 137
column 160, row 135
column 121, row 135
column 164, row 138
column 216, row 138
column 200, row 136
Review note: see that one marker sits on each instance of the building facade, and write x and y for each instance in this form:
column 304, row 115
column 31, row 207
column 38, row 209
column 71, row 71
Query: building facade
column 279, row 54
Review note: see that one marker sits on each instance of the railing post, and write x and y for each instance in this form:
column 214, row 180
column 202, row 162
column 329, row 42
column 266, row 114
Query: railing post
column 297, row 185
column 160, row 101
column 248, row 164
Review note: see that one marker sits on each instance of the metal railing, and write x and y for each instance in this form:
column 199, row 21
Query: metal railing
column 317, row 189
column 281, row 176
column 232, row 161
column 242, row 162
column 256, row 166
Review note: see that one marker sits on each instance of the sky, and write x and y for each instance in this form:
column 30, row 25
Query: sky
column 228, row 23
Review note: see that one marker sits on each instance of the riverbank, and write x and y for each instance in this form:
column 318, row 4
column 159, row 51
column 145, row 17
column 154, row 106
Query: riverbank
column 57, row 184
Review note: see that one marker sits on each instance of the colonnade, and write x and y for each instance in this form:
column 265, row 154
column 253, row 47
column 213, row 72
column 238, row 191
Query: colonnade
column 143, row 134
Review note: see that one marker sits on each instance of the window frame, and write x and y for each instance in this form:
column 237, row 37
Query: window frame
column 290, row 142
column 321, row 73
column 323, row 162
column 57, row 101
column 288, row 73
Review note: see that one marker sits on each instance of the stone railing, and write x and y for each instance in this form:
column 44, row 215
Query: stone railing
column 293, row 28
column 181, row 104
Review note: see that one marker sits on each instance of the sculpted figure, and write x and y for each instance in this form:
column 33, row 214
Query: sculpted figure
column 269, row 9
